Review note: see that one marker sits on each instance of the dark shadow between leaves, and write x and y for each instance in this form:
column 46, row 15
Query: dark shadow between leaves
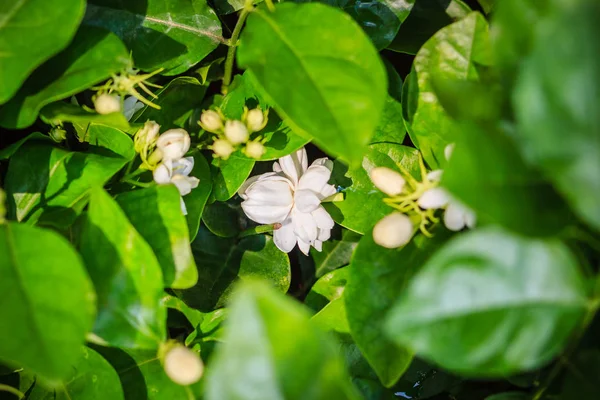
column 132, row 380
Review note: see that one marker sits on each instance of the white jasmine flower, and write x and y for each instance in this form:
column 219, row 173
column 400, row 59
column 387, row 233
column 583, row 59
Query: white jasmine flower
column 183, row 366
column 173, row 143
column 107, row 104
column 393, row 230
column 387, row 180
column 236, row 132
column 176, row 172
column 211, row 121
column 130, row 106
column 291, row 196
column 255, row 120
column 222, row 148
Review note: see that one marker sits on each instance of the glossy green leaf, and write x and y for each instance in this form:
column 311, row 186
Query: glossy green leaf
column 156, row 214
column 223, row 219
column 47, row 184
column 326, row 299
column 229, row 175
column 391, row 127
column 336, row 253
column 67, row 112
column 222, row 262
column 376, row 277
column 31, row 31
column 339, row 80
column 197, row 198
column 177, row 101
column 491, row 304
column 126, row 275
column 457, row 52
column 273, row 352
column 93, row 56
column 92, row 377
column 425, row 19
column 547, row 107
column 106, row 140
column 48, row 301
column 363, row 203
column 173, row 35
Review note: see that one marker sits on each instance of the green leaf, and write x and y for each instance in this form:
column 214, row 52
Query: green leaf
column 425, row 19
column 173, row 35
column 177, row 101
column 391, row 126
column 197, row 198
column 67, row 112
column 547, row 107
column 487, row 5
column 457, row 52
column 511, row 396
column 363, row 203
column 46, row 184
column 106, row 140
column 325, row 298
column 222, row 262
column 92, row 377
column 48, row 301
column 376, row 277
column 335, row 254
column 92, row 57
column 296, row 360
column 487, row 173
column 339, row 79
column 491, row 304
column 156, row 214
column 32, row 31
column 229, row 175
column 126, row 275
column 223, row 219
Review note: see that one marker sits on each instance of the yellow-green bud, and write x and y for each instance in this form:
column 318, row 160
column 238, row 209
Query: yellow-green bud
column 236, row 132
column 393, row 230
column 107, row 103
column 255, row 120
column 58, row 134
column 222, row 148
column 211, row 121
column 387, row 180
column 255, row 150
column 183, row 366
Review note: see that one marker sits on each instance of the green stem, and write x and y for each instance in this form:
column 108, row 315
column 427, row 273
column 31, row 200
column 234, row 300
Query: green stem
column 10, row 389
column 132, row 175
column 257, row 230
column 136, row 183
column 233, row 42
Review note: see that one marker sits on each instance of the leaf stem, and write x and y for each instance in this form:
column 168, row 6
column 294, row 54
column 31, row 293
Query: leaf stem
column 132, row 175
column 233, row 42
column 257, row 230
column 136, row 183
column 10, row 389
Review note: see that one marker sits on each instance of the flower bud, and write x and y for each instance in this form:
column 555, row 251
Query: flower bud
column 174, row 143
column 434, row 198
column 211, row 121
column 222, row 148
column 58, row 134
column 255, row 120
column 154, row 158
column 107, row 103
column 183, row 366
column 236, row 132
column 255, row 150
column 146, row 136
column 448, row 151
column 393, row 230
column 387, row 180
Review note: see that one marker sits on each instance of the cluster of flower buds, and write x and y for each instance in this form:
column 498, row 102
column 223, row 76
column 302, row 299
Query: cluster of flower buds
column 182, row 365
column 415, row 202
column 232, row 134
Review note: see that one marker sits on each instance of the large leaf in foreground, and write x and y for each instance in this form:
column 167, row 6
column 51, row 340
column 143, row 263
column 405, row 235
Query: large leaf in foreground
column 48, row 301
column 31, row 32
column 339, row 80
column 490, row 304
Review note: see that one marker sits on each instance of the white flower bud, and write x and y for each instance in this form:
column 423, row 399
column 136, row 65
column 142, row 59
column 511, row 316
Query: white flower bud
column 387, row 180
column 211, row 121
column 106, row 104
column 393, row 230
column 255, row 150
column 174, row 143
column 255, row 119
column 434, row 198
column 448, row 151
column 236, row 132
column 183, row 366
column 222, row 148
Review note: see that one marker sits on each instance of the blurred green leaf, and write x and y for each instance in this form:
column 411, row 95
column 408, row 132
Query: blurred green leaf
column 339, row 80
column 274, row 352
column 93, row 56
column 173, row 35
column 363, row 203
column 223, row 261
column 126, row 275
column 489, row 303
column 336, row 253
column 48, row 301
column 67, row 112
column 33, row 31
column 156, row 214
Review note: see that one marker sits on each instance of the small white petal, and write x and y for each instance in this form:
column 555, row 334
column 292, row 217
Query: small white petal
column 393, row 231
column 303, row 246
column 305, row 226
column 448, row 150
column 130, row 106
column 183, row 166
column 174, row 143
column 454, row 217
column 294, row 165
column 306, row 200
column 185, row 184
column 387, row 180
column 265, row 214
column 318, row 245
column 284, row 237
column 162, row 173
column 324, row 234
column 315, row 178
column 272, row 190
column 323, row 219
column 435, row 175
column 277, row 167
column 434, row 198
column 183, row 207
column 470, row 218
column 250, row 181
column 326, row 191
column 326, row 162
